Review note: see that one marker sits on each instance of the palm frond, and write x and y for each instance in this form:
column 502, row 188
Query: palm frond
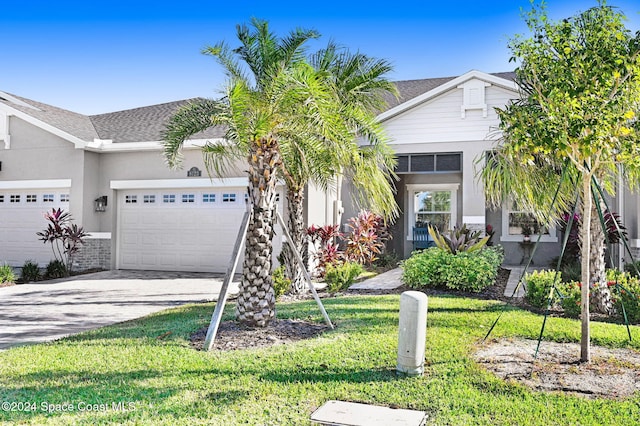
column 194, row 117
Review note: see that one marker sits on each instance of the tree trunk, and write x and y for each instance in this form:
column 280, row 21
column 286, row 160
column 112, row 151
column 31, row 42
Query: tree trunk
column 600, row 295
column 585, row 239
column 256, row 299
column 295, row 223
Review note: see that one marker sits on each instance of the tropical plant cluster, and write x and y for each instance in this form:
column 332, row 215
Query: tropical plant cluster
column 65, row 238
column 6, row 274
column 362, row 244
column 465, row 270
column 548, row 289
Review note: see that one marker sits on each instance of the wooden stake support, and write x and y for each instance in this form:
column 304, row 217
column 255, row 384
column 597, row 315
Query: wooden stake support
column 231, row 270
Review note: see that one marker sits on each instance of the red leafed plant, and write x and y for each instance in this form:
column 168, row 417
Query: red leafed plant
column 64, row 236
column 328, row 252
column 367, row 237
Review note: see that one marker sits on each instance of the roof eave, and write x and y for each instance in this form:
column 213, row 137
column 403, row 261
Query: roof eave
column 76, row 141
column 451, row 84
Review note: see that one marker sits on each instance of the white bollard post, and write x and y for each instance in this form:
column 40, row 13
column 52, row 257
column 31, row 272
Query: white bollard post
column 412, row 333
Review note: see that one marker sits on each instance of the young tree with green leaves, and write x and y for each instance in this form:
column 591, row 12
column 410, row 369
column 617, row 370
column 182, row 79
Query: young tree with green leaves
column 575, row 124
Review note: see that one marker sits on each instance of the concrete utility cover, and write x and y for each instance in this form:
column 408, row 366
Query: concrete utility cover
column 340, row 413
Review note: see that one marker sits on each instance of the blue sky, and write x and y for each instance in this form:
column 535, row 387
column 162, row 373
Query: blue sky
column 101, row 56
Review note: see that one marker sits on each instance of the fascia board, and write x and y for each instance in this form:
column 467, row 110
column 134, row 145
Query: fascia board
column 78, row 143
column 101, row 146
column 233, row 182
column 36, row 184
column 498, row 81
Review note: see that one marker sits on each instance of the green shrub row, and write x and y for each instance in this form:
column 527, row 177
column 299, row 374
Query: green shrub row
column 466, row 271
column 624, row 288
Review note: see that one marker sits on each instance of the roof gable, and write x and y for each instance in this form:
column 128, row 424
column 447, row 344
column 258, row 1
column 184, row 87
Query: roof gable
column 416, row 92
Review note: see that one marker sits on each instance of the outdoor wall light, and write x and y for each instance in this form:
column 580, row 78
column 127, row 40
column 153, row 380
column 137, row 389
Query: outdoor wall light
column 100, row 203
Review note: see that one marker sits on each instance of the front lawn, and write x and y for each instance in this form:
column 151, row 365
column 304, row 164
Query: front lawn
column 148, row 368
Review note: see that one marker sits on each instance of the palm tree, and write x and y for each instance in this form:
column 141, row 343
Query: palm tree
column 360, row 84
column 274, row 100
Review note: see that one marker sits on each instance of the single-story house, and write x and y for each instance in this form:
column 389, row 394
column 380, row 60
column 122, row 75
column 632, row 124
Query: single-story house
column 108, row 170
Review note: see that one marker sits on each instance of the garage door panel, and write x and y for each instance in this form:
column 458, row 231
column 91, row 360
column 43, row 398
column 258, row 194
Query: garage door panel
column 21, row 220
column 178, row 236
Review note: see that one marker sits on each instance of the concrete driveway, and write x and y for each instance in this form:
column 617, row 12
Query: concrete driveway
column 49, row 310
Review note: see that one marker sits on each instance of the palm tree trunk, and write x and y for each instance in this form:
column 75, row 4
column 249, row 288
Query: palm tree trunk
column 295, row 223
column 585, row 240
column 256, row 299
column 601, row 296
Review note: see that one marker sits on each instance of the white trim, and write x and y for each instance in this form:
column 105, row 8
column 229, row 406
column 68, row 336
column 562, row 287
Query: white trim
column 635, row 243
column 17, row 101
column 99, row 235
column 452, row 84
column 552, row 237
column 35, row 184
column 412, row 188
column 433, row 186
column 180, row 183
column 473, row 219
column 534, row 238
column 102, row 145
column 79, row 143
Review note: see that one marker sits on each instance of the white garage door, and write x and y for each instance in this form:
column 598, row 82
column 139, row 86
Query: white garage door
column 180, row 229
column 21, row 216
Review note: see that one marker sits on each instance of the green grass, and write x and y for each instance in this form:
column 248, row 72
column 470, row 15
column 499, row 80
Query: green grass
column 167, row 382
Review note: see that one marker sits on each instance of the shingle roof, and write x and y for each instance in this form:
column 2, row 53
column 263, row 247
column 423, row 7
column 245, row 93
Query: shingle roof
column 142, row 124
column 146, row 124
column 73, row 123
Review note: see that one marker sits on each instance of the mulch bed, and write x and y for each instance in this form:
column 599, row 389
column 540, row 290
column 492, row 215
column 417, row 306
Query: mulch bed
column 7, row 284
column 611, row 374
column 234, row 336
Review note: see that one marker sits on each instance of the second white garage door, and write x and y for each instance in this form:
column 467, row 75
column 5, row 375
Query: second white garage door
column 180, row 229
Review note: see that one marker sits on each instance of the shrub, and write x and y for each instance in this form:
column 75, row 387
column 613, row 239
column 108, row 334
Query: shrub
column 64, row 236
column 55, row 269
column 466, row 271
column 7, row 275
column 571, row 271
column 538, row 286
column 387, row 260
column 366, row 239
column 339, row 276
column 459, row 239
column 30, row 271
column 625, row 290
column 633, row 268
column 571, row 299
column 281, row 284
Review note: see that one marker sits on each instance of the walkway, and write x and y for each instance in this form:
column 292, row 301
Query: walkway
column 49, row 310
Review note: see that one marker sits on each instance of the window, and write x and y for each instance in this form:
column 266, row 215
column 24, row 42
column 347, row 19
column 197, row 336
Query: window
column 48, row 198
column 131, row 199
column 64, row 198
column 14, row 199
column 433, row 208
column 434, row 204
column 188, row 198
column 168, row 198
column 32, row 198
column 208, row 198
column 1, row 198
column 228, row 198
column 516, row 223
column 149, row 199
column 429, row 163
